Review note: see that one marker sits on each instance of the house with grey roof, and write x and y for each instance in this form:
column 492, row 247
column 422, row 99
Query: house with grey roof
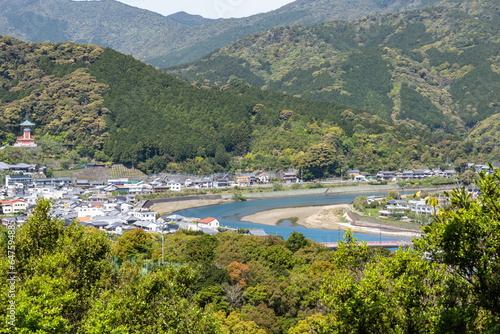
column 258, row 232
column 385, row 175
column 174, row 218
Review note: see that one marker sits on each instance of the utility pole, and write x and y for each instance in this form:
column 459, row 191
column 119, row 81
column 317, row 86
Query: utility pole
column 162, row 229
column 162, row 247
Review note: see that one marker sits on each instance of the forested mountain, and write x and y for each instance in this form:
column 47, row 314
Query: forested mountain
column 112, row 107
column 435, row 68
column 165, row 41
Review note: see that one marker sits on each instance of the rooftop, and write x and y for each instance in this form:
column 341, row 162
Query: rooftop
column 27, row 123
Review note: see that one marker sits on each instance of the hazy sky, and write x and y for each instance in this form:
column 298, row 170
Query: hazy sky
column 209, row 8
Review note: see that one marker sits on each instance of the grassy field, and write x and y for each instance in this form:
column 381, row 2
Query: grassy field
column 117, row 171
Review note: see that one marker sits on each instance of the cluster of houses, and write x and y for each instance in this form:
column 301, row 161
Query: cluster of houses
column 24, row 176
column 111, row 203
column 116, row 215
column 108, row 205
column 25, row 183
column 419, row 174
column 418, row 206
column 22, row 168
column 415, row 174
column 227, row 180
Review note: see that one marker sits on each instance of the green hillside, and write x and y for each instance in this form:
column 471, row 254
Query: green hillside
column 101, row 104
column 165, row 41
column 435, row 69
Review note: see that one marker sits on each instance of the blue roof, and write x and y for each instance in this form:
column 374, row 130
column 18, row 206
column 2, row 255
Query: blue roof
column 27, row 123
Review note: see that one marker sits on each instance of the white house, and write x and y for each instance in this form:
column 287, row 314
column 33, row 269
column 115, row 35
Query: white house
column 148, row 216
column 174, row 185
column 209, row 222
column 422, row 208
column 89, row 212
column 125, row 207
column 13, row 206
column 139, row 188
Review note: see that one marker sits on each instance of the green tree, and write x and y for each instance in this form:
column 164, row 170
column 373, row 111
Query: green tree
column 45, row 304
column 51, row 144
column 263, row 316
column 202, row 248
column 320, row 160
column 135, row 244
column 350, row 254
column 360, row 203
column 404, row 293
column 296, row 241
column 60, row 272
column 40, row 235
column 393, row 194
column 158, row 302
column 234, row 323
column 464, row 236
column 277, row 257
column 467, row 177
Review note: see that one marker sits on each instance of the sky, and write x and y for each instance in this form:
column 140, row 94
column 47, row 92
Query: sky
column 209, row 8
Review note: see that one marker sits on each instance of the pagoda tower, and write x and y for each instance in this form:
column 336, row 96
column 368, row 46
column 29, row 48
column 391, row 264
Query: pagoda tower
column 26, row 140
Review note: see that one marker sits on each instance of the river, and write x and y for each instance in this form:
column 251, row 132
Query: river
column 229, row 214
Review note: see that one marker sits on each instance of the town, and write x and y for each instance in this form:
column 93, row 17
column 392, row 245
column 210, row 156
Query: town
column 112, row 205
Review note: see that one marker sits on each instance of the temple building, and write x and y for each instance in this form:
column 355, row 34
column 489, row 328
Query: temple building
column 26, row 140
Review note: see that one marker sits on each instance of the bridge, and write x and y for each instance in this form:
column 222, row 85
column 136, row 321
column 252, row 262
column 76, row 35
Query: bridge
column 384, row 244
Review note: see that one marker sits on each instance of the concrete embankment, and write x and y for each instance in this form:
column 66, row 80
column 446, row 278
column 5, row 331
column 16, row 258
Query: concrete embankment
column 319, row 191
column 163, row 205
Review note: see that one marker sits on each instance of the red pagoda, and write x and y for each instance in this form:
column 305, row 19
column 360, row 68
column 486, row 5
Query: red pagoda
column 26, row 140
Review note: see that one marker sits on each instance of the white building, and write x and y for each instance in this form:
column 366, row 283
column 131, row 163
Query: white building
column 89, row 212
column 422, row 208
column 148, row 216
column 13, row 206
column 174, row 185
column 209, row 222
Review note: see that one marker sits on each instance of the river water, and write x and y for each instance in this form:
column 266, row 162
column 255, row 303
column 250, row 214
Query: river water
column 230, row 214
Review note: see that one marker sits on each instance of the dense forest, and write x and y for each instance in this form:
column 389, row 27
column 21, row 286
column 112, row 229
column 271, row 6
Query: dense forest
column 75, row 279
column 435, row 68
column 98, row 103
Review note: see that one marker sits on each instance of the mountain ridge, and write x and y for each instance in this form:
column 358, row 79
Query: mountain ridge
column 161, row 40
column 440, row 56
column 189, row 19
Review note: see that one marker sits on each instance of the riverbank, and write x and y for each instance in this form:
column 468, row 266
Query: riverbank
column 187, row 202
column 328, row 217
column 322, row 217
